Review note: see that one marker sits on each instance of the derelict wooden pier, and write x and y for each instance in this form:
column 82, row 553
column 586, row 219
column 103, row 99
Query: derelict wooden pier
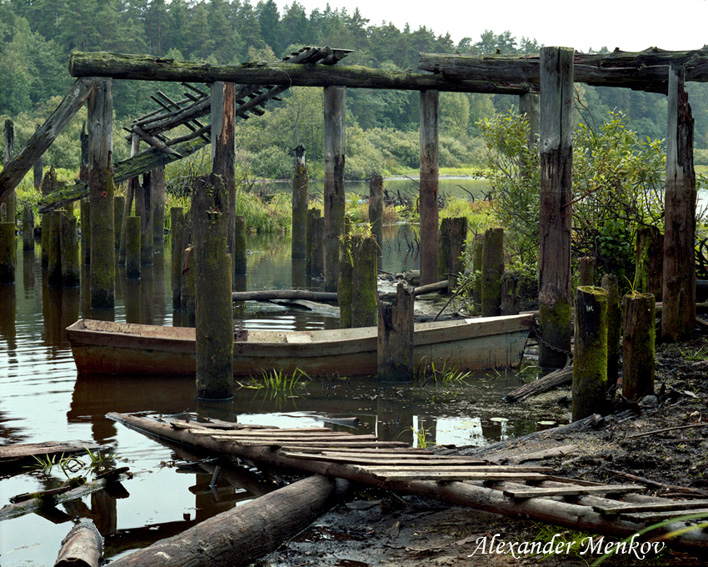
column 530, row 492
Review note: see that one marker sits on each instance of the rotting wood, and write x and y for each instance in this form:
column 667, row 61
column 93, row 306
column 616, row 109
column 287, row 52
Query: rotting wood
column 19, row 453
column 638, row 350
column 395, row 336
column 270, row 294
column 665, row 429
column 82, row 546
column 492, row 271
column 614, row 326
column 660, row 485
column 429, row 158
column 376, row 211
column 556, row 378
column 8, row 205
column 223, row 153
column 143, row 210
column 157, row 177
column 299, row 205
column 623, row 508
column 521, row 494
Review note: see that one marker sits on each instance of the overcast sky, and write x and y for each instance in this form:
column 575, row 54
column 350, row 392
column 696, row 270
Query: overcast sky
column 631, row 25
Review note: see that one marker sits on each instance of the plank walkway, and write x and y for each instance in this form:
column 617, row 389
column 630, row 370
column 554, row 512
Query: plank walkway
column 528, row 491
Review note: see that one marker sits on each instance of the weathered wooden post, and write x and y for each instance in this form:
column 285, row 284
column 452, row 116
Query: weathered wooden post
column 639, row 336
column 185, row 253
column 309, row 258
column 301, row 184
column 177, row 230
column 223, row 157
column 590, row 352
column 27, row 228
column 344, row 285
column 143, row 209
column 49, row 185
column 54, row 278
column 334, row 199
column 429, row 152
column 556, row 139
column 69, row 246
column 586, row 271
column 8, row 208
column 376, row 211
column 8, row 253
column 118, row 206
column 451, row 241
column 649, row 261
column 678, row 315
column 214, row 311
column 240, row 250
column 364, row 282
column 133, row 247
column 37, row 170
column 318, row 248
column 529, row 107
column 614, row 326
column 189, row 291
column 130, row 193
column 101, row 188
column 158, row 206
column 492, row 271
column 85, row 230
column 477, row 256
column 395, row 336
column 509, row 294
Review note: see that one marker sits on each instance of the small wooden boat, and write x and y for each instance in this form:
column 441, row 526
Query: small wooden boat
column 105, row 347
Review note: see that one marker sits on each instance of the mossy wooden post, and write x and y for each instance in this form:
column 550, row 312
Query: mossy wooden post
column 130, row 195
column 27, row 228
column 177, row 230
column 133, row 247
column 143, row 209
column 395, row 336
column 101, row 188
column 614, row 326
column 214, row 314
column 301, row 185
column 451, row 248
column 318, row 252
column 590, row 352
column 556, row 139
column 334, row 199
column 678, row 315
column 8, row 208
column 429, row 153
column 344, row 285
column 309, row 259
column 54, row 278
column 376, row 210
column 118, row 206
column 649, row 261
column 586, row 271
column 158, row 206
column 240, row 253
column 70, row 254
column 223, row 156
column 49, row 185
column 492, row 271
column 86, row 230
column 364, row 282
column 8, row 253
column 509, row 294
column 477, row 255
column 639, row 336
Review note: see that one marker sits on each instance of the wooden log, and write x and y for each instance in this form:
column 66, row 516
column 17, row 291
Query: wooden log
column 8, row 204
column 509, row 294
column 395, row 336
column 299, row 206
column 649, row 261
column 133, row 247
column 223, row 157
column 376, row 211
column 240, row 250
column 49, row 185
column 101, row 190
column 177, row 229
column 556, row 130
column 54, row 278
column 346, row 282
column 556, row 378
column 428, row 206
column 214, row 312
column 15, row 171
column 614, row 326
column 157, row 177
column 364, row 282
column 334, row 199
column 586, row 271
column 143, row 210
column 82, row 546
column 69, row 247
column 241, row 535
column 492, row 271
column 267, row 295
column 27, row 228
column 8, row 253
column 118, row 206
column 590, row 352
column 679, row 292
column 85, row 230
column 638, row 338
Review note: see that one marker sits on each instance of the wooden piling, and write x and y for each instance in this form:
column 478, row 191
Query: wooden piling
column 177, row 230
column 118, row 206
column 318, row 249
column 429, row 152
column 509, row 294
column 614, row 326
column 451, row 249
column 214, row 312
column 8, row 253
column 143, row 209
column 299, row 206
column 649, row 261
column 49, row 185
column 586, row 271
column 395, row 336
column 223, row 157
column 189, row 297
column 54, row 277
column 101, row 189
column 8, row 208
column 590, row 352
column 364, row 282
column 334, row 199
column 477, row 256
column 556, row 140
column 376, row 210
column 240, row 250
column 309, row 258
column 130, row 194
column 344, row 285
column 639, row 337
column 158, row 206
column 185, row 252
column 133, row 247
column 86, row 230
column 492, row 271
column 27, row 228
column 69, row 247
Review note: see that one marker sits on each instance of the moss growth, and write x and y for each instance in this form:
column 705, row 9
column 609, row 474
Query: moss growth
column 554, row 318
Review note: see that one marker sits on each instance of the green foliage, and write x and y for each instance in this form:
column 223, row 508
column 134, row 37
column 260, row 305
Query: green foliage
column 277, row 381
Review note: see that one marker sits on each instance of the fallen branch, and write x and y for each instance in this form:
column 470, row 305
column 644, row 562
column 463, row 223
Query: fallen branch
column 681, row 489
column 548, row 382
column 691, row 426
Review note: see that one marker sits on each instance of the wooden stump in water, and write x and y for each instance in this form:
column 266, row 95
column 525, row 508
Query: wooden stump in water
column 8, row 253
column 49, row 185
column 395, row 336
column 590, row 352
column 614, row 326
column 451, row 248
column 639, row 335
column 133, row 247
column 69, row 247
column 27, row 228
column 240, row 252
column 586, row 271
column 177, row 230
column 54, row 278
column 492, row 271
column 364, row 281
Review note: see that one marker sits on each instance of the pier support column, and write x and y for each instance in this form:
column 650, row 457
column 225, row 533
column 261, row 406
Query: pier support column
column 429, row 153
column 300, row 195
column 376, row 210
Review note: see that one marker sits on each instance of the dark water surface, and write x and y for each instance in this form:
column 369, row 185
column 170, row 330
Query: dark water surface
column 41, row 399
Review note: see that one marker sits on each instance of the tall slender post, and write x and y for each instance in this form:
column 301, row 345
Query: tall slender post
column 101, row 189
column 239, row 256
column 334, row 200
column 27, row 228
column 223, row 156
column 177, row 230
column 376, row 210
column 143, row 209
column 85, row 230
column 8, row 209
column 678, row 315
column 133, row 248
column 158, row 205
column 429, row 152
column 133, row 186
column 70, row 257
column 118, row 206
column 301, row 185
column 49, row 185
column 529, row 107
column 556, row 130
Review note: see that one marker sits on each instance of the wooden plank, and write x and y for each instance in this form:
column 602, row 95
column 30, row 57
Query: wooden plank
column 9, row 453
column 462, row 475
column 343, row 445
column 572, row 491
column 386, row 458
column 403, row 450
column 453, row 467
column 295, row 438
column 623, row 508
column 654, row 517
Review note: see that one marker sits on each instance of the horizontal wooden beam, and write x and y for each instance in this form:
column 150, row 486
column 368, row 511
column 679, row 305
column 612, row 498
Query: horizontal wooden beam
column 149, row 68
column 644, row 70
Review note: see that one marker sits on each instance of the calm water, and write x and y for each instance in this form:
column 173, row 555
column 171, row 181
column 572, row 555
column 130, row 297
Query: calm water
column 43, row 400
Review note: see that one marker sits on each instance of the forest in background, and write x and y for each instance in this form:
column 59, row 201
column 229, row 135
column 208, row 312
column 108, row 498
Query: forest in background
column 37, row 37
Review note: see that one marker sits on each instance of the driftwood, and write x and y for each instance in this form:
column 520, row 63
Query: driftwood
column 82, row 547
column 553, row 380
column 247, row 532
